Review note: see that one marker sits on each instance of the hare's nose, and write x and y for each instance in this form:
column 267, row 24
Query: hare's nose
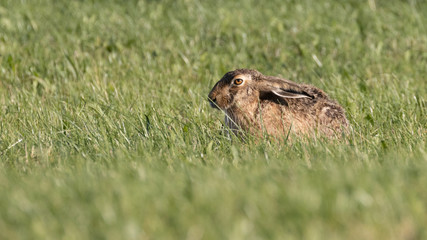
column 212, row 102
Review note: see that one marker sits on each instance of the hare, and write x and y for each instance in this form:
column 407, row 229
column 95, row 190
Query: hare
column 255, row 103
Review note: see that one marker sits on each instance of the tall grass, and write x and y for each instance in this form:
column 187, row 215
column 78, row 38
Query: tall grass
column 105, row 131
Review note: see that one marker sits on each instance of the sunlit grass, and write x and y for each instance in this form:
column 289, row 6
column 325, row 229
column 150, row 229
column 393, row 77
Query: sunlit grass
column 105, row 131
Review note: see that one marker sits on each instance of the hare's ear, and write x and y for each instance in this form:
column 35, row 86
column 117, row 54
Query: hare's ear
column 287, row 93
column 282, row 88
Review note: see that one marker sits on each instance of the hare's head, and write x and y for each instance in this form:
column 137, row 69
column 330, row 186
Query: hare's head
column 244, row 86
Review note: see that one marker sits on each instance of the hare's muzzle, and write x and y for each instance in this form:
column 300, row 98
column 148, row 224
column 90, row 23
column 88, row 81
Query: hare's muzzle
column 212, row 102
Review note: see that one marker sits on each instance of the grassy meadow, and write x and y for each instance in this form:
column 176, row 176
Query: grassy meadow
column 106, row 133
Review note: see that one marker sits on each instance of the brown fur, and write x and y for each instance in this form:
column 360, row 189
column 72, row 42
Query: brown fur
column 276, row 106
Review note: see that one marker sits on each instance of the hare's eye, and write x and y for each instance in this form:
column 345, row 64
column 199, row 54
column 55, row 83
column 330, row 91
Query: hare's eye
column 238, row 81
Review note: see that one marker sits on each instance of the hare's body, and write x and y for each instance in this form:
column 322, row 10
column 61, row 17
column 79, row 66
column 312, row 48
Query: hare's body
column 256, row 103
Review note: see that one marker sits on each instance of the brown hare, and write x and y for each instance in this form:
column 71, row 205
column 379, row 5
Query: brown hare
column 256, row 103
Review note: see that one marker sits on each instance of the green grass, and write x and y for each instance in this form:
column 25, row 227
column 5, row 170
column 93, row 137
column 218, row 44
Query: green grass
column 105, row 131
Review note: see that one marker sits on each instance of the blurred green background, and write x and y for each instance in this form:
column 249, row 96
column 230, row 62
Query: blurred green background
column 105, row 131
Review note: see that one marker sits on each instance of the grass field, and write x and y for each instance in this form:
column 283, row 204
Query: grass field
column 105, row 131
